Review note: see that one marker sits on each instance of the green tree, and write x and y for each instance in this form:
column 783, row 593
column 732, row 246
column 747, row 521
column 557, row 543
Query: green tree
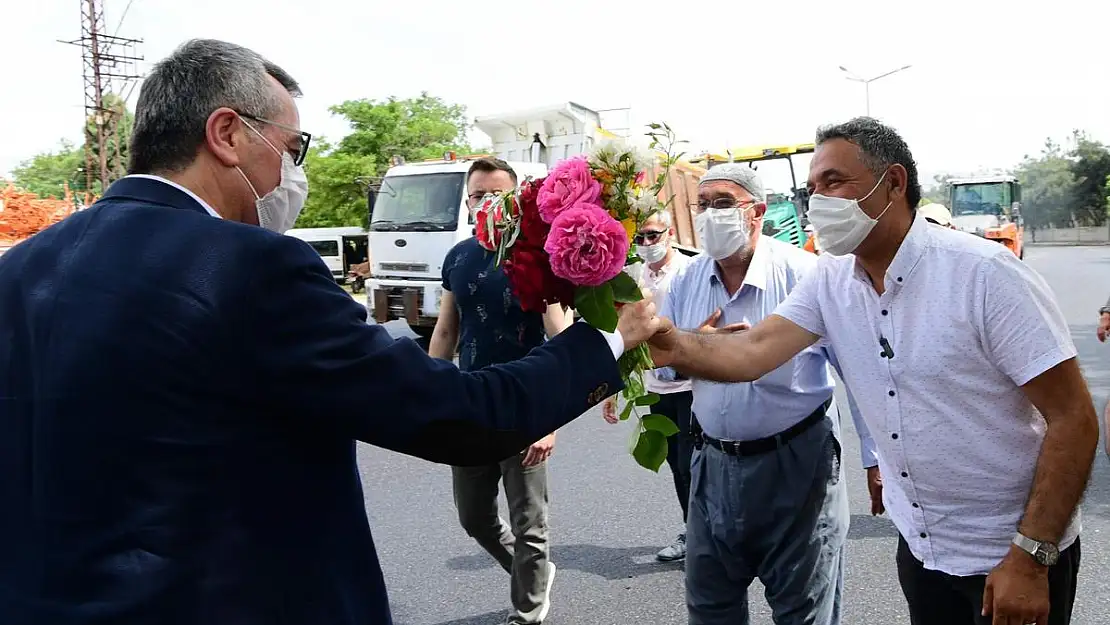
column 414, row 129
column 336, row 187
column 1090, row 168
column 1048, row 187
column 937, row 192
column 47, row 174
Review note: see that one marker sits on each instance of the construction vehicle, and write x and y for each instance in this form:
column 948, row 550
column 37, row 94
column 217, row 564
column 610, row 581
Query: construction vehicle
column 785, row 216
column 989, row 207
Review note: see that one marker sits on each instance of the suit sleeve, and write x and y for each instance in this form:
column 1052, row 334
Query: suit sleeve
column 318, row 364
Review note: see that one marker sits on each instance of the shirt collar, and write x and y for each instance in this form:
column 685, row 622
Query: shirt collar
column 756, row 275
column 905, row 259
column 173, row 184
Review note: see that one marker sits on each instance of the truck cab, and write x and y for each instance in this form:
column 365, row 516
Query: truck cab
column 989, row 207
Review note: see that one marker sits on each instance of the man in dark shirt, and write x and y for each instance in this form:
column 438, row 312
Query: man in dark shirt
column 481, row 317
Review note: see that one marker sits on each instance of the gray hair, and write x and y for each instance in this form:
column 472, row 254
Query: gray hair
column 880, row 146
column 185, row 88
column 739, row 174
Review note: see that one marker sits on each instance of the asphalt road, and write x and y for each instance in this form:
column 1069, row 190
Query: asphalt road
column 609, row 516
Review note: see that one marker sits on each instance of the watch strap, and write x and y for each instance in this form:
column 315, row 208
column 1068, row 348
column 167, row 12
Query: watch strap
column 1026, row 544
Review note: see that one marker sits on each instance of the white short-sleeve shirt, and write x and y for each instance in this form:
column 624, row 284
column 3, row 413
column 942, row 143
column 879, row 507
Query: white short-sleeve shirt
column 968, row 323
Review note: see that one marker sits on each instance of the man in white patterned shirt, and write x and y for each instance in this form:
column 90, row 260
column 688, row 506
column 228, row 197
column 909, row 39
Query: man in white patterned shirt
column 964, row 372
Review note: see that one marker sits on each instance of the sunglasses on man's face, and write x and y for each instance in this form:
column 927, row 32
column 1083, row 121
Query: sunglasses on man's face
column 648, row 237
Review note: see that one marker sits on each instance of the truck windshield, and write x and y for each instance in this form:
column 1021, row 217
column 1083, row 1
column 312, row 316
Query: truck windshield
column 991, row 198
column 420, row 202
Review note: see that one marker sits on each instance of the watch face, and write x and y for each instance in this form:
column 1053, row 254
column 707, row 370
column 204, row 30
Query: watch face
column 1047, row 554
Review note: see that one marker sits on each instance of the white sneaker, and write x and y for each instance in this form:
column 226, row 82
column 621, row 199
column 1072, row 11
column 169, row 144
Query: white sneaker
column 547, row 593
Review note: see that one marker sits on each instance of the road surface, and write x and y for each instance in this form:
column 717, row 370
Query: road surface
column 608, row 516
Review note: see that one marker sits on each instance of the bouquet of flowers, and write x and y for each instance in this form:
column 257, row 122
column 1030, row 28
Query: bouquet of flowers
column 566, row 239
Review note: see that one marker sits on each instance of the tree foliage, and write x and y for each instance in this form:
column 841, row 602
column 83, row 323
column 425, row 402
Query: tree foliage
column 415, row 129
column 47, row 174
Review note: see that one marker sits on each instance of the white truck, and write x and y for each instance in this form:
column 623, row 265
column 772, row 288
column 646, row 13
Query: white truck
column 419, row 211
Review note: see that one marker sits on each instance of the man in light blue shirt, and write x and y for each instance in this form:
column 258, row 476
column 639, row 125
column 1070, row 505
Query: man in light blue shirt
column 767, row 495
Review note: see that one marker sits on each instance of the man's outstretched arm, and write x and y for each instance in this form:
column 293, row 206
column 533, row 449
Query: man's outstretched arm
column 315, row 364
column 732, row 357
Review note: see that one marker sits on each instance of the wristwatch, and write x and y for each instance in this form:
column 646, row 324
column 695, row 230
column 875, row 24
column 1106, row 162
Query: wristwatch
column 1046, row 554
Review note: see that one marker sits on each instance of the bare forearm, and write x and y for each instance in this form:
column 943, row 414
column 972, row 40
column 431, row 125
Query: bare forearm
column 443, row 344
column 1061, row 477
column 715, row 357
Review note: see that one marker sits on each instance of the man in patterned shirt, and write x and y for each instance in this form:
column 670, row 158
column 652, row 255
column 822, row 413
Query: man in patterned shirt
column 480, row 316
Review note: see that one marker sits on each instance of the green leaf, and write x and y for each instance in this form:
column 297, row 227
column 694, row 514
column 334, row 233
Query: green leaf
column 625, row 289
column 596, row 305
column 627, row 412
column 647, row 400
column 650, row 450
column 659, row 423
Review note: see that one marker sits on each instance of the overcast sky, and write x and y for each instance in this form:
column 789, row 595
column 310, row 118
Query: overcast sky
column 989, row 80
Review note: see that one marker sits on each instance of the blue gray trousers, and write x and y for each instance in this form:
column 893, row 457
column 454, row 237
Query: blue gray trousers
column 782, row 517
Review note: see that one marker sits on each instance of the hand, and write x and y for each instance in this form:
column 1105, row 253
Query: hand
column 539, row 451
column 637, row 322
column 709, row 326
column 875, row 489
column 1017, row 591
column 609, row 410
column 1103, row 327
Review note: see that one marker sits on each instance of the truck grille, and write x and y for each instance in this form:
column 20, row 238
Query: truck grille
column 398, row 302
column 410, row 267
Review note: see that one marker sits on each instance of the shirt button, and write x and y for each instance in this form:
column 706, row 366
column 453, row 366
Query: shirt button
column 923, row 534
column 891, row 393
column 904, row 474
column 894, row 436
column 885, row 313
column 915, row 505
column 899, row 279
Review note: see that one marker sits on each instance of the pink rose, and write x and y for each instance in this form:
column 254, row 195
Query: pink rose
column 570, row 182
column 586, row 245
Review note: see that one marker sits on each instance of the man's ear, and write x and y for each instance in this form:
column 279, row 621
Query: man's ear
column 898, row 178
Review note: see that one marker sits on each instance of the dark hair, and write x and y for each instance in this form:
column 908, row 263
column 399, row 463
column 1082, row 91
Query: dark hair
column 880, row 146
column 490, row 165
column 186, row 87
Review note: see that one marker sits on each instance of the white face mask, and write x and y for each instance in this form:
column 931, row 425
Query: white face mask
column 278, row 210
column 652, row 253
column 840, row 223
column 722, row 231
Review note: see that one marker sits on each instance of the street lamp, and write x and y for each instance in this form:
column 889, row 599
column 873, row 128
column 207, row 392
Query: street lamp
column 867, row 81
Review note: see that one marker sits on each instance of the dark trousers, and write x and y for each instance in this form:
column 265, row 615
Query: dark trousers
column 937, row 598
column 677, row 408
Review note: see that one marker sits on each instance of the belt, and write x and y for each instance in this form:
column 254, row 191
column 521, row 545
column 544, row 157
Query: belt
column 761, row 445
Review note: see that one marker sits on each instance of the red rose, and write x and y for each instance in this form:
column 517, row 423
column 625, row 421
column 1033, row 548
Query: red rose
column 535, row 286
column 496, row 206
column 533, row 229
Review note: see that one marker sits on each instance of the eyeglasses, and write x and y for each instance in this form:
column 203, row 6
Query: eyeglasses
column 723, row 203
column 306, row 138
column 648, row 238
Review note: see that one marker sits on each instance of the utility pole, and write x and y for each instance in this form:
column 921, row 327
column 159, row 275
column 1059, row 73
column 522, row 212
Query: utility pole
column 108, row 62
column 867, row 81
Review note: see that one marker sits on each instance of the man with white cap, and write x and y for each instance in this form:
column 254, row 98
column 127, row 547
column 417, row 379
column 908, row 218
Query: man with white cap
column 937, row 214
column 768, row 498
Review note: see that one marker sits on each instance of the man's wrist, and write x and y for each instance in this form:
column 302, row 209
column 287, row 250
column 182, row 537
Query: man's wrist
column 615, row 341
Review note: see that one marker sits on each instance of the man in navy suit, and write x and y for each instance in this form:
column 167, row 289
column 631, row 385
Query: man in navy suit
column 181, row 386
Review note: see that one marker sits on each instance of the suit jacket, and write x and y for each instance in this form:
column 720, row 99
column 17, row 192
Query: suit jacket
column 180, row 398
